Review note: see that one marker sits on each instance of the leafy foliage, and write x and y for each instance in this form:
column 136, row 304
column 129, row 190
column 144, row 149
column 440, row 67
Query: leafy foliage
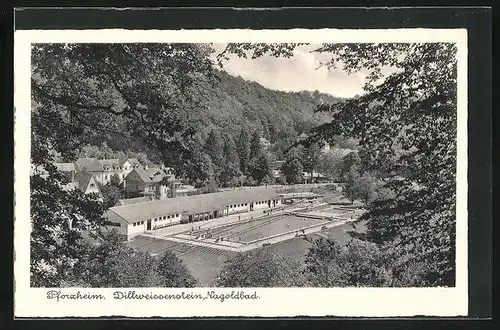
column 83, row 94
column 112, row 192
column 260, row 268
column 357, row 264
column 292, row 169
column 110, row 263
column 173, row 273
column 406, row 125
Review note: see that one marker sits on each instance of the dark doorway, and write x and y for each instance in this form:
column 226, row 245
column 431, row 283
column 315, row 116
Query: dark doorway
column 269, row 203
column 251, row 206
column 190, row 218
column 148, row 225
column 216, row 214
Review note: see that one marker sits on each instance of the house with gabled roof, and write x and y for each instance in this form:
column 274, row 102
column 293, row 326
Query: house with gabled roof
column 147, row 182
column 91, row 166
column 110, row 168
column 127, row 165
column 86, row 183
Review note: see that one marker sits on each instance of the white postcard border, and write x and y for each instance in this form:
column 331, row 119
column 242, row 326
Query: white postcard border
column 272, row 302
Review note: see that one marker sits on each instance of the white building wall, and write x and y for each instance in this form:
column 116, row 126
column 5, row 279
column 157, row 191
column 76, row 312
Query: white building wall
column 136, row 228
column 238, row 208
column 113, row 217
column 259, row 205
column 166, row 220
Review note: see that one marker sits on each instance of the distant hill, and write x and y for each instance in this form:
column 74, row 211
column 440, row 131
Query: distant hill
column 235, row 102
column 232, row 103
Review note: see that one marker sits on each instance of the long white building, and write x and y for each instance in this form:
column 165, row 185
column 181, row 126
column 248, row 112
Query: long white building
column 134, row 219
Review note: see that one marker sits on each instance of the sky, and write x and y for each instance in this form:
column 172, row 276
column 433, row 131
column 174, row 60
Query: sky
column 298, row 73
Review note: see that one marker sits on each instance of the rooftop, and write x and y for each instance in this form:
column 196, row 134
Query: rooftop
column 88, row 165
column 132, row 161
column 112, row 163
column 130, row 201
column 150, row 175
column 193, row 204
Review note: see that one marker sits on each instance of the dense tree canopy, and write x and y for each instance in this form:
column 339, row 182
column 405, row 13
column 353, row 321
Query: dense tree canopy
column 84, row 92
column 260, row 268
column 112, row 264
column 405, row 123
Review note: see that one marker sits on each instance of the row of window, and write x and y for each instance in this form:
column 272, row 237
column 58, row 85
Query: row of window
column 166, row 217
column 116, row 168
column 236, row 205
column 240, row 205
column 138, row 223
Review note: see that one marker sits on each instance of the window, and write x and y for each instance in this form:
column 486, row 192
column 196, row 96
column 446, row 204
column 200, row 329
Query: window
column 92, row 185
column 246, row 204
column 164, row 217
column 134, row 224
column 142, row 222
column 177, row 215
column 168, row 217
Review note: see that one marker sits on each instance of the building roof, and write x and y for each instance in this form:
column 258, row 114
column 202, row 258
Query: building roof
column 112, row 163
column 132, row 161
column 81, row 183
column 150, row 175
column 130, row 201
column 88, row 165
column 83, row 180
column 65, row 167
column 193, row 204
column 299, row 194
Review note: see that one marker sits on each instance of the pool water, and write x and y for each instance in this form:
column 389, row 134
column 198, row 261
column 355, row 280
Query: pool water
column 261, row 228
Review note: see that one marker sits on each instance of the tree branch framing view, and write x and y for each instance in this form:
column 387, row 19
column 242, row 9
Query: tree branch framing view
column 174, row 165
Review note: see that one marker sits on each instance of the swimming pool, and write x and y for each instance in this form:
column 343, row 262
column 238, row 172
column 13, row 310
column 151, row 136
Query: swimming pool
column 261, row 228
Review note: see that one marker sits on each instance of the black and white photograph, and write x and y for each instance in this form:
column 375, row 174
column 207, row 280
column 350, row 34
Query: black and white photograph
column 242, row 165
